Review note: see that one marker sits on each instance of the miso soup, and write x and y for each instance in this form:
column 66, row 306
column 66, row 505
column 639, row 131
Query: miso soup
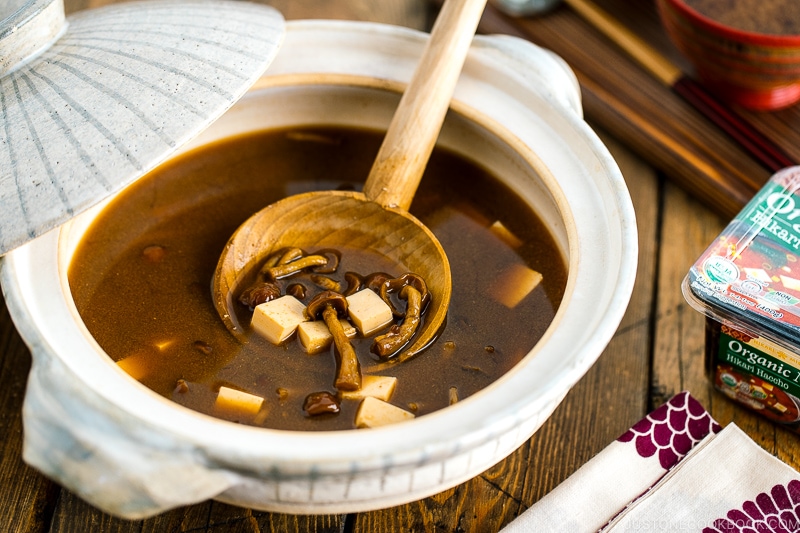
column 141, row 280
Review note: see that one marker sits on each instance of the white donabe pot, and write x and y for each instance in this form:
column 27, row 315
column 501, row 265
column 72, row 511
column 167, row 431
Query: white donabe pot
column 517, row 112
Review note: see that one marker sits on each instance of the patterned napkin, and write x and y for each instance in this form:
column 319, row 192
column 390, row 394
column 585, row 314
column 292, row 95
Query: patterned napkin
column 674, row 470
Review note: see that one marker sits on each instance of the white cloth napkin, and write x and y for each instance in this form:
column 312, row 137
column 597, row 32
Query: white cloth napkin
column 675, row 470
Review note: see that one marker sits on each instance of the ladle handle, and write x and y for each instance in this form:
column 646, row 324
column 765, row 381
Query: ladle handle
column 409, row 141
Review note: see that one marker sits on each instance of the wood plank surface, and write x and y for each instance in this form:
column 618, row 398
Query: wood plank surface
column 26, row 497
column 657, row 351
column 647, row 116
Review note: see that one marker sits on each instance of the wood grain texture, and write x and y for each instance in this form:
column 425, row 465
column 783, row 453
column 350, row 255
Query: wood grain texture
column 413, row 14
column 759, row 147
column 27, row 506
column 680, row 331
column 647, row 116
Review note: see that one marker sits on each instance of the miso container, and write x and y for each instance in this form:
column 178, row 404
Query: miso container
column 747, row 283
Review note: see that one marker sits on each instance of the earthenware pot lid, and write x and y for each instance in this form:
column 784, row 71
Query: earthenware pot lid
column 91, row 102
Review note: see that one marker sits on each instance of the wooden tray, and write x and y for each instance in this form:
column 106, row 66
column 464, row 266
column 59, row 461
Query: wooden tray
column 622, row 98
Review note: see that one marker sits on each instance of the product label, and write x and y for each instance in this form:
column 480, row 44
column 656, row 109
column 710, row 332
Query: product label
column 760, row 364
column 752, row 270
column 777, row 215
column 749, row 279
column 758, row 374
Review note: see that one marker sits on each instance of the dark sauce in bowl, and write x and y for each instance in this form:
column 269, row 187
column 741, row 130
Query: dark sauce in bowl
column 771, row 17
column 141, row 277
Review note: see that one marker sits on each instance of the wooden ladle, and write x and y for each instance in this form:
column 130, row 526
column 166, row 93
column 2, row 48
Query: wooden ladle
column 378, row 218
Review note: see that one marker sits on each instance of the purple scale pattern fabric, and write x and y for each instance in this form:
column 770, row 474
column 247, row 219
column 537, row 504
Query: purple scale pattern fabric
column 775, row 512
column 672, row 430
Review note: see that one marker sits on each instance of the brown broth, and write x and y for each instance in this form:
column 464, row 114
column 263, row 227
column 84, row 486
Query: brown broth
column 772, row 17
column 153, row 306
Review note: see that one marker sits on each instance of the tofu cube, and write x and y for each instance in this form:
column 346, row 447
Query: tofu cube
column 368, row 311
column 505, row 235
column 135, row 365
column 380, row 387
column 277, row 320
column 374, row 413
column 453, row 395
column 514, row 284
column 234, row 401
column 315, row 337
column 145, row 361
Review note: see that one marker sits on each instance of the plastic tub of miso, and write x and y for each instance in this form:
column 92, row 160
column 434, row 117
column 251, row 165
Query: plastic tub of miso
column 747, row 283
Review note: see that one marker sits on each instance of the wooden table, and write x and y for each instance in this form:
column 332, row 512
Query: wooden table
column 657, row 351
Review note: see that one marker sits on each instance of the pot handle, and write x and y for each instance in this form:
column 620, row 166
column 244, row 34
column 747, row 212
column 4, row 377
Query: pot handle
column 536, row 67
column 102, row 454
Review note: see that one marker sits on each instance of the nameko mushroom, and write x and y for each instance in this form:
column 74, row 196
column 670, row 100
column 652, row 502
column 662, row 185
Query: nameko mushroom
column 331, row 306
column 411, row 288
column 294, row 260
column 298, row 274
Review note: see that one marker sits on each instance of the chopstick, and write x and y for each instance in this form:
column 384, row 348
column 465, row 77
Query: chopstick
column 661, row 68
column 760, row 147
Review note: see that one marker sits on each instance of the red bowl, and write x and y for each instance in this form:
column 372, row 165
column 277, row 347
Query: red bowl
column 756, row 70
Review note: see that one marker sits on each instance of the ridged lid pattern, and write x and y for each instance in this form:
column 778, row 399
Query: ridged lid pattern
column 120, row 89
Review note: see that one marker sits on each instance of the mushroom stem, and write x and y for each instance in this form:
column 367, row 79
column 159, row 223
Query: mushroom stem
column 395, row 285
column 281, row 257
column 390, row 343
column 348, row 370
column 292, row 254
column 325, row 283
column 283, row 270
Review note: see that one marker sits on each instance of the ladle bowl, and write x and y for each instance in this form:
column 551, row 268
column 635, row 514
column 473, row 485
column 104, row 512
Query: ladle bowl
column 329, row 219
